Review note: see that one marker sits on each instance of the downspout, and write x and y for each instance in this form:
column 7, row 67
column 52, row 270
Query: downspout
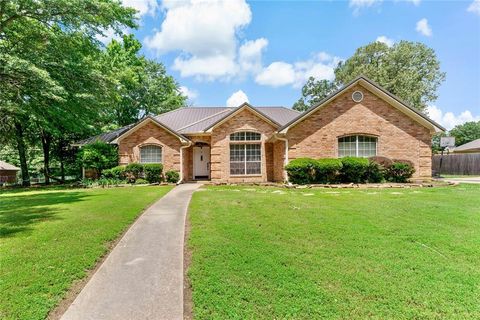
column 285, row 160
column 181, row 160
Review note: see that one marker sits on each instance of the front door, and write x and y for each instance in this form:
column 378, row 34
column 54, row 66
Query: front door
column 201, row 163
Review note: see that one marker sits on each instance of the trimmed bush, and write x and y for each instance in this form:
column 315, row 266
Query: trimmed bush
column 383, row 161
column 172, row 176
column 117, row 172
column 374, row 173
column 399, row 172
column 133, row 171
column 327, row 170
column 153, row 172
column 354, row 169
column 301, row 170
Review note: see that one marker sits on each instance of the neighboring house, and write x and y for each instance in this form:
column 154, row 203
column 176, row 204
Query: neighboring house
column 470, row 147
column 253, row 144
column 8, row 173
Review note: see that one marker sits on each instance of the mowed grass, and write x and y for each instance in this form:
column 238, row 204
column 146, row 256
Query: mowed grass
column 267, row 253
column 49, row 238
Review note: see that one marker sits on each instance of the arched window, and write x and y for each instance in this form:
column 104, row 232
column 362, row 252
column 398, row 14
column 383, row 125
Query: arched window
column 357, row 146
column 151, row 154
column 245, row 153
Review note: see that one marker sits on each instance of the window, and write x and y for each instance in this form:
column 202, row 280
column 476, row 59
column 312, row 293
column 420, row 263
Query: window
column 246, row 157
column 357, row 146
column 151, row 154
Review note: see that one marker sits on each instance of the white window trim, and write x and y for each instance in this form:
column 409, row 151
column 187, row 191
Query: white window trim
column 246, row 161
column 356, row 144
column 150, row 145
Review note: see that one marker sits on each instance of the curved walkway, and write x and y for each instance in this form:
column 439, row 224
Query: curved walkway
column 142, row 278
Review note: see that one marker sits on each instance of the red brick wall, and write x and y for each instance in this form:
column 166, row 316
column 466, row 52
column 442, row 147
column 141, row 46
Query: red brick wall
column 150, row 133
column 9, row 176
column 220, row 146
column 399, row 136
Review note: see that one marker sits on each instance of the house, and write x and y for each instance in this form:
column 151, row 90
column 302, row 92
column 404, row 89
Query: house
column 8, row 173
column 253, row 144
column 470, row 147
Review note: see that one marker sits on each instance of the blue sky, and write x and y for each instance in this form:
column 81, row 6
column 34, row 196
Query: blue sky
column 263, row 51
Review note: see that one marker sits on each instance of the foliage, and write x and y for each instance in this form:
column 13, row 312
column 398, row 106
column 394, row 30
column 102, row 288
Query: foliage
column 63, row 233
column 354, row 169
column 301, row 170
column 352, row 254
column 466, row 132
column 410, row 70
column 99, row 156
column 172, row 176
column 400, row 171
column 153, row 172
column 133, row 171
column 141, row 181
column 313, row 92
column 327, row 170
column 383, row 161
column 117, row 172
column 374, row 172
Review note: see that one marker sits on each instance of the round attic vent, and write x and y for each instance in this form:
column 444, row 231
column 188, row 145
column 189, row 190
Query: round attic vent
column 357, row 96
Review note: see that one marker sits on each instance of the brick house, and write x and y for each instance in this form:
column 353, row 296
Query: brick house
column 253, row 144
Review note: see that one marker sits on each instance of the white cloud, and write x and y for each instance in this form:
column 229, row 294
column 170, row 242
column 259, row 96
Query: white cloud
column 423, row 27
column 143, row 7
column 206, row 34
column 415, row 2
column 250, row 55
column 236, row 99
column 357, row 5
column 474, row 7
column 280, row 73
column 383, row 39
column 189, row 93
column 449, row 119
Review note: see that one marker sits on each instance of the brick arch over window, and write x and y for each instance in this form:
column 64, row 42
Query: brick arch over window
column 357, row 145
column 151, row 153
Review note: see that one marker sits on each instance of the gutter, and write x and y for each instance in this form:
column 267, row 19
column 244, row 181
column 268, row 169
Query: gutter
column 181, row 160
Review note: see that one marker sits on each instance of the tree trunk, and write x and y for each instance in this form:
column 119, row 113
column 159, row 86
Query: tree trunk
column 46, row 142
column 61, row 158
column 22, row 154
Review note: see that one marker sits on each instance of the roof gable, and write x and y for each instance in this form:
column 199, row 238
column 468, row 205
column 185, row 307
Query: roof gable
column 374, row 88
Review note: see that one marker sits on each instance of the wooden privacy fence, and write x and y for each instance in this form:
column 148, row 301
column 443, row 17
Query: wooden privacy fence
column 461, row 164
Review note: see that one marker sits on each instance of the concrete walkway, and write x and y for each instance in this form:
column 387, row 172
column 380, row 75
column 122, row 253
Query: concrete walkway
column 142, row 278
column 472, row 179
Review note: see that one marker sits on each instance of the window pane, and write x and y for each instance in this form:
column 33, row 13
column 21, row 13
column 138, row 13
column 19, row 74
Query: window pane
column 245, row 136
column 367, row 146
column 347, row 146
column 254, row 152
column 254, row 167
column 237, row 136
column 237, row 167
column 237, row 152
column 151, row 154
column 245, row 159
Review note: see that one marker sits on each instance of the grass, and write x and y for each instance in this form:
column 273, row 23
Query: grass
column 266, row 253
column 51, row 237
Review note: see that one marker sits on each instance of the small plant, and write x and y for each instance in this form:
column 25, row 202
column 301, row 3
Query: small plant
column 153, row 172
column 399, row 172
column 354, row 169
column 301, row 170
column 141, row 181
column 87, row 183
column 133, row 171
column 172, row 176
column 374, row 173
column 117, row 172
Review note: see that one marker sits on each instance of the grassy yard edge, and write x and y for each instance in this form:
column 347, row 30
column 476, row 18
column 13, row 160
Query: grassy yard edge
column 187, row 260
column 77, row 286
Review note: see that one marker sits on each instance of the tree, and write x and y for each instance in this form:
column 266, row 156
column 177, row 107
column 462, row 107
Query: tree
column 140, row 87
column 464, row 133
column 98, row 156
column 409, row 70
column 313, row 92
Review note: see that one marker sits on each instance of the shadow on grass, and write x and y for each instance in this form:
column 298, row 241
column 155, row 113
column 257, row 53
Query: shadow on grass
column 19, row 212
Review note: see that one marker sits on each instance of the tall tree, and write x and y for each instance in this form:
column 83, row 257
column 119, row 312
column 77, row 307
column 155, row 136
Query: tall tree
column 409, row 70
column 139, row 86
column 465, row 133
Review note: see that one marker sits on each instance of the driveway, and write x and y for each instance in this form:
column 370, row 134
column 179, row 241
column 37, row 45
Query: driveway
column 142, row 278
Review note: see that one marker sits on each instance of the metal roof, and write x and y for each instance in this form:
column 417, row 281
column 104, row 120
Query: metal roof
column 7, row 166
column 190, row 120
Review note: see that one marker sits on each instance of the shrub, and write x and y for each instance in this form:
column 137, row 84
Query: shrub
column 383, row 161
column 374, row 172
column 301, row 170
column 172, row 176
column 327, row 170
column 141, row 181
column 117, row 172
column 399, row 172
column 354, row 169
column 133, row 171
column 98, row 156
column 153, row 172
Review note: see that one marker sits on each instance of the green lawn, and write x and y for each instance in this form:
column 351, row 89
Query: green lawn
column 49, row 238
column 336, row 254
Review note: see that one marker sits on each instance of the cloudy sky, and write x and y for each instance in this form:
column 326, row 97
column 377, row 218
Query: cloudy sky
column 227, row 52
